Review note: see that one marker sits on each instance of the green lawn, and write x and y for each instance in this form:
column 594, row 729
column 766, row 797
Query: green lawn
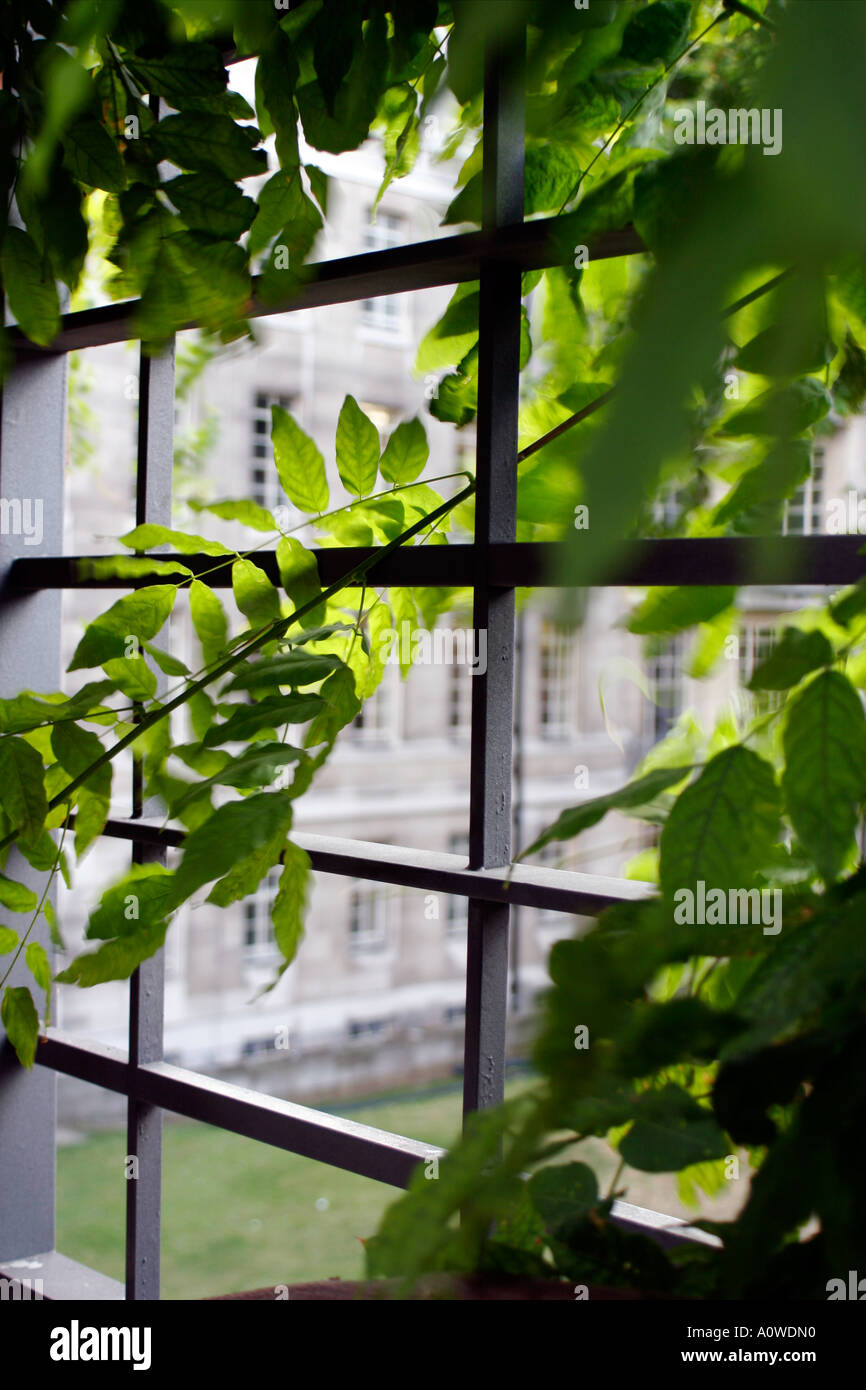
column 237, row 1214
column 240, row 1215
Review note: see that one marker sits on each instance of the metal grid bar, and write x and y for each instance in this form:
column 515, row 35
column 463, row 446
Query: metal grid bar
column 431, row 872
column 767, row 560
column 422, row 265
column 357, row 1148
column 147, row 983
column 493, row 607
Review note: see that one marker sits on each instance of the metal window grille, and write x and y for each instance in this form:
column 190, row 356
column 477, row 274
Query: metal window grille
column 32, row 451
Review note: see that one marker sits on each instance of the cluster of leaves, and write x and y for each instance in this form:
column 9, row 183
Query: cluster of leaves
column 301, row 668
column 740, row 343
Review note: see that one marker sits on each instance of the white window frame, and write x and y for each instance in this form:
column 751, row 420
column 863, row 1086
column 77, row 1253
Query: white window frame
column 267, row 493
column 258, row 938
column 369, row 918
column 804, row 512
column 557, row 682
column 384, row 318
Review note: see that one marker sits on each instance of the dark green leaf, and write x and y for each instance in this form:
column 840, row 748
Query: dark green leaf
column 673, row 610
column 824, row 740
column 22, row 792
column 29, row 287
column 92, row 157
column 588, row 813
column 230, row 834
column 198, row 140
column 722, row 827
column 207, row 202
column 16, row 896
column 672, row 1132
column 21, row 1021
column 270, row 713
column 795, row 655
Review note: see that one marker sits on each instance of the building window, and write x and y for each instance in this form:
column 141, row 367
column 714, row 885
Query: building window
column 369, row 919
column 369, row 1027
column 666, row 686
column 756, row 643
column 456, row 906
column 804, row 513
column 459, row 699
column 256, row 1047
column 557, row 681
column 265, row 487
column 386, row 313
column 259, row 940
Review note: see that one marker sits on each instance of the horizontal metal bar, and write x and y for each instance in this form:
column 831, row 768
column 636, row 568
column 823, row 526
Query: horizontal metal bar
column 356, row 1148
column 450, row 260
column 57, row 1279
column 738, row 560
column 530, row 886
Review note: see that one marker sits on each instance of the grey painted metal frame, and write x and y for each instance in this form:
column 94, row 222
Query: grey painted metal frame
column 147, row 984
column 32, row 459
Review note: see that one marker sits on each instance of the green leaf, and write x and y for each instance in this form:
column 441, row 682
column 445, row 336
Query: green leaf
column 342, row 704
column 300, row 466
column 254, row 593
column 794, row 656
column 127, row 567
column 132, row 675
column 184, row 75
column 92, row 157
column 777, row 477
column 357, row 449
column 257, row 767
column 299, row 574
column 672, row 1132
column 233, row 832
column 51, row 918
column 40, row 968
column 140, row 614
column 207, row 202
column 246, row 512
column 8, row 940
column 29, row 287
column 722, row 827
column 563, row 1195
column 199, row 140
column 406, row 453
column 673, row 610
column 290, row 903
column 276, row 77
column 270, row 714
column 295, row 668
column 138, row 902
column 168, row 664
column 21, row 1021
column 76, row 749
column 657, row 32
column 28, row 711
column 22, row 791
column 16, row 896
column 114, row 960
column 285, row 210
column 452, row 336
column 823, row 782
column 579, row 818
column 357, row 100
column 209, row 620
column 783, row 411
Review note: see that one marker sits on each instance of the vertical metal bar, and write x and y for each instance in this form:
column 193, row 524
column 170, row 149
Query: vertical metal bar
column 495, row 519
column 32, row 458
column 146, row 985
column 519, row 789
